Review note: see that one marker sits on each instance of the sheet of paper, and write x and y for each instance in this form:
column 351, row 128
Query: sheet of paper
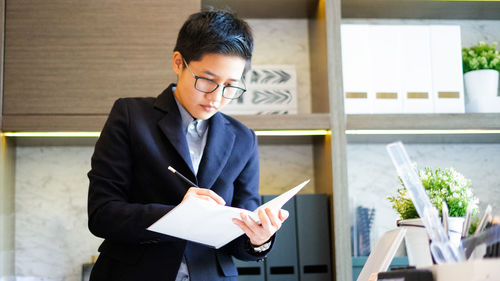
column 211, row 224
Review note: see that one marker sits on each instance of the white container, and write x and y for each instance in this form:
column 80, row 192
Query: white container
column 417, row 240
column 481, row 91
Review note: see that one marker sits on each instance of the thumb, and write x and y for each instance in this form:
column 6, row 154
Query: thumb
column 284, row 214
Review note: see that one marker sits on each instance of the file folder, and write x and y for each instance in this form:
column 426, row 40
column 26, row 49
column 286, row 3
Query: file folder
column 447, row 78
column 356, row 68
column 281, row 263
column 386, row 68
column 250, row 270
column 416, row 66
column 313, row 234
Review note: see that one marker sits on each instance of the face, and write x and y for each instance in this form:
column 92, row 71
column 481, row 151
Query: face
column 223, row 69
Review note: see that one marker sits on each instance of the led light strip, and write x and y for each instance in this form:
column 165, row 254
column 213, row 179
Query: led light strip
column 96, row 134
column 293, row 132
column 52, row 134
column 270, row 133
column 420, row 132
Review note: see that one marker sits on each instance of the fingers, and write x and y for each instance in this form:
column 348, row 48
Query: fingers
column 269, row 224
column 283, row 214
column 205, row 194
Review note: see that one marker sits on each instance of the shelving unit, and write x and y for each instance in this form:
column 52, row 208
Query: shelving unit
column 415, row 9
column 329, row 152
column 327, row 108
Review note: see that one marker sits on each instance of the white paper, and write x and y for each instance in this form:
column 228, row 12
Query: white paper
column 209, row 223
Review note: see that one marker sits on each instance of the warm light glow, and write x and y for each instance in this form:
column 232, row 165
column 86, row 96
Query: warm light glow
column 96, row 134
column 292, row 132
column 52, row 134
column 420, row 132
column 269, row 133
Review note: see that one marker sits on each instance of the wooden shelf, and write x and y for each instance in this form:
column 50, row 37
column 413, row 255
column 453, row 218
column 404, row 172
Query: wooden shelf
column 445, row 124
column 453, row 121
column 44, row 123
column 415, row 9
column 286, row 122
column 273, row 9
column 408, row 9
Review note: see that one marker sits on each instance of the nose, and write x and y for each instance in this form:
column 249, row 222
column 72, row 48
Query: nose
column 215, row 96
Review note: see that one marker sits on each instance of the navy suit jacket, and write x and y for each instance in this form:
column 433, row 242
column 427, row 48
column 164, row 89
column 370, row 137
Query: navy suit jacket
column 131, row 187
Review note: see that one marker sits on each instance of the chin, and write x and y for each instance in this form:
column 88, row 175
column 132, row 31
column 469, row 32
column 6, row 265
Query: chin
column 204, row 116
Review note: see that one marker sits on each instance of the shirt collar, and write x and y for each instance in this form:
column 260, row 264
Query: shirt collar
column 188, row 119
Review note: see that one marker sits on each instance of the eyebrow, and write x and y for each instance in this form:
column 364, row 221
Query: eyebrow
column 214, row 75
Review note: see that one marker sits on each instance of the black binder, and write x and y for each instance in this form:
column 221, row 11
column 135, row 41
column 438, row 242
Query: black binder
column 313, row 233
column 250, row 270
column 281, row 263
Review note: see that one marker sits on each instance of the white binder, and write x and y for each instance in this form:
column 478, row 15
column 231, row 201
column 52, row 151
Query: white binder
column 386, row 68
column 416, row 69
column 356, row 68
column 447, row 77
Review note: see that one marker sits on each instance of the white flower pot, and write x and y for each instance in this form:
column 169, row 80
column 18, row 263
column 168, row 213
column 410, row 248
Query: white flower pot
column 417, row 241
column 481, row 91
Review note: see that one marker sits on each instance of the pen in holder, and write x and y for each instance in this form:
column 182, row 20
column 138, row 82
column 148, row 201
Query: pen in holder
column 364, row 224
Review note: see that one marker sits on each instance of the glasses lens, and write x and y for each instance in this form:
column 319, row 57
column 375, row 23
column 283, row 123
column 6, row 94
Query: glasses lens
column 205, row 85
column 232, row 92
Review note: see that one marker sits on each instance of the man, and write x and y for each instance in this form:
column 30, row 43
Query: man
column 131, row 187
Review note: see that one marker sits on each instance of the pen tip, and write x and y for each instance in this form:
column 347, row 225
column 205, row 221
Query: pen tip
column 171, row 169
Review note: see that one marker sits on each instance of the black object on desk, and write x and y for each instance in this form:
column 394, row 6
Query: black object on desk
column 406, row 275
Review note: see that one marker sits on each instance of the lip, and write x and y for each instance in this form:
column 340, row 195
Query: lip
column 209, row 108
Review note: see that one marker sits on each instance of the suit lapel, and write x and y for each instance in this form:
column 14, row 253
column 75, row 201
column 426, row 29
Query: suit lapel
column 171, row 125
column 220, row 141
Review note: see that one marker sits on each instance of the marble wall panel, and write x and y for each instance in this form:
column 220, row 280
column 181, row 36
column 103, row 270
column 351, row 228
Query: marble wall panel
column 52, row 240
column 372, row 176
column 285, row 41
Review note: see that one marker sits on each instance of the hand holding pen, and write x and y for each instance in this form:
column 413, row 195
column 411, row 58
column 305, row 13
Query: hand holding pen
column 258, row 233
column 196, row 191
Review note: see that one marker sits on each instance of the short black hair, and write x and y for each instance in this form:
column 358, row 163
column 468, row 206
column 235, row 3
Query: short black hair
column 215, row 32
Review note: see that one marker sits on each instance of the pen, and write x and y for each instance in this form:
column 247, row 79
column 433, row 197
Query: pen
column 181, row 176
column 465, row 229
column 445, row 218
column 483, row 221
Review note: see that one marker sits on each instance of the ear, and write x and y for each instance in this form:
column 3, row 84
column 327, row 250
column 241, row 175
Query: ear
column 177, row 63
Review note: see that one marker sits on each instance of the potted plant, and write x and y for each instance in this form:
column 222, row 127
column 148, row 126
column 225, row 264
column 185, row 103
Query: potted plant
column 481, row 65
column 443, row 186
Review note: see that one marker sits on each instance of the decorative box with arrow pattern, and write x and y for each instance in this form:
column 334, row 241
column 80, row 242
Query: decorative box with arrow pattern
column 271, row 89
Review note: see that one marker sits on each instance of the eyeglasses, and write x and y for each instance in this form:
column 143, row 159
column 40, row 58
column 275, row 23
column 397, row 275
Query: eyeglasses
column 208, row 86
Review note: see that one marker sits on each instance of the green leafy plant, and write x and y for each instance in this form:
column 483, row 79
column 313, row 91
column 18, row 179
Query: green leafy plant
column 480, row 56
column 442, row 185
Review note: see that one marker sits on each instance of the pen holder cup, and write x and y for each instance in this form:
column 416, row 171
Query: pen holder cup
column 485, row 244
column 418, row 243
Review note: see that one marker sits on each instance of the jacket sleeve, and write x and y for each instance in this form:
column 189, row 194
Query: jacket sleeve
column 246, row 196
column 111, row 215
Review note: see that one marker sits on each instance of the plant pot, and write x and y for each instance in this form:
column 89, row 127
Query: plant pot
column 481, row 91
column 417, row 241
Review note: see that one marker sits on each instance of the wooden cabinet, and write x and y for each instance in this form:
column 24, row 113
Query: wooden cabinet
column 67, row 61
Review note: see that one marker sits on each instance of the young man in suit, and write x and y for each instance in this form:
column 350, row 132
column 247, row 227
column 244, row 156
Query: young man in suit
column 131, row 187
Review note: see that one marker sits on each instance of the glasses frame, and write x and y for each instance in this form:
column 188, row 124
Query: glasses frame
column 196, row 77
